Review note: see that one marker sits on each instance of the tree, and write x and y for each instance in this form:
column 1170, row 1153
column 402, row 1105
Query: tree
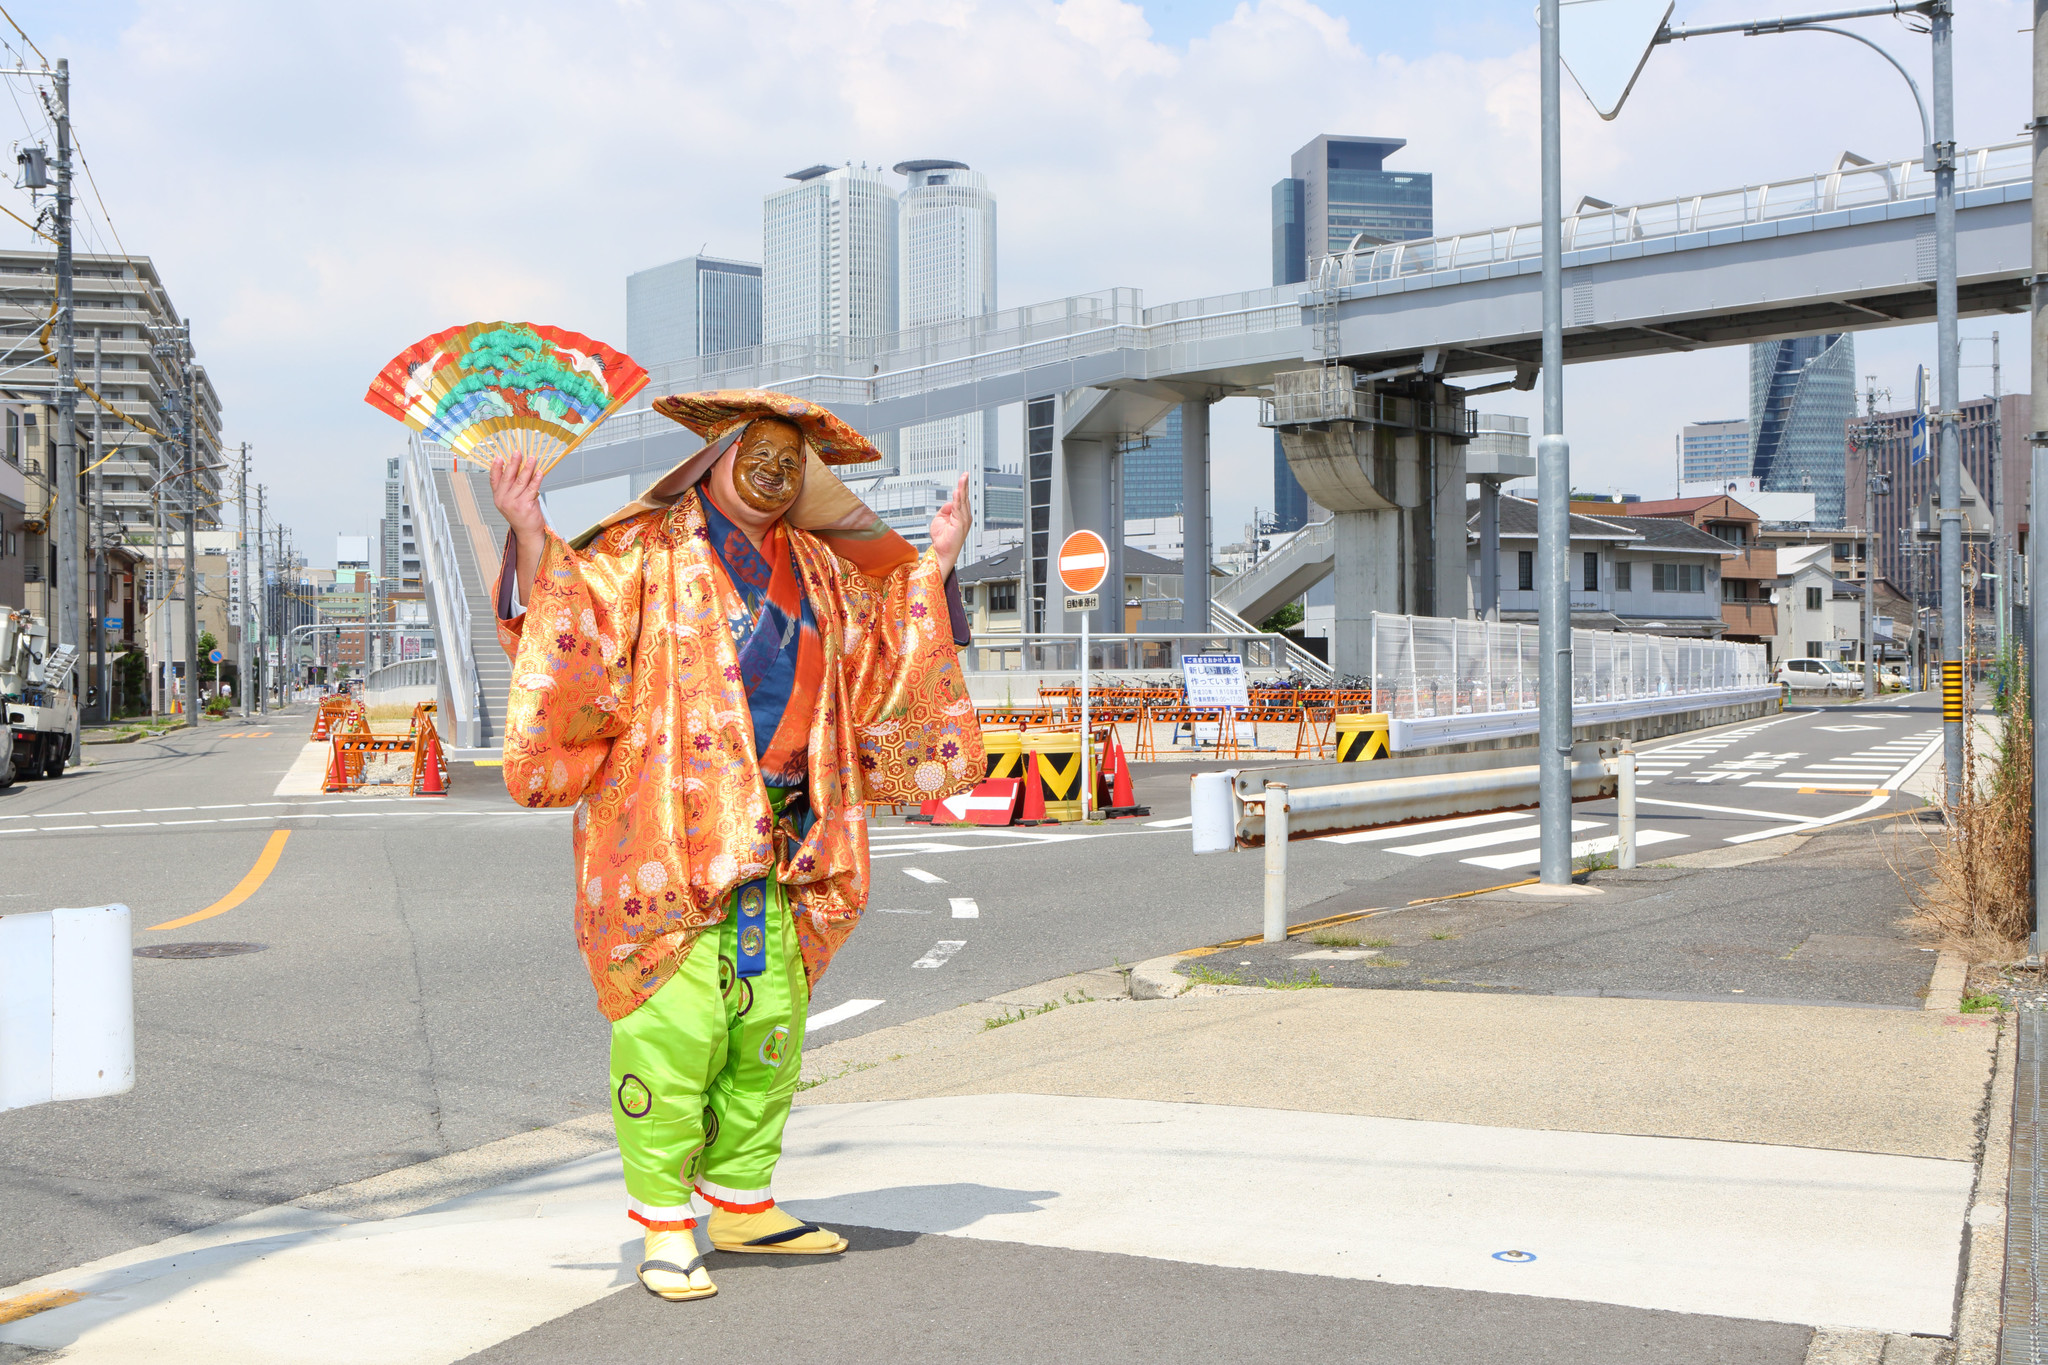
column 207, row 644
column 1279, row 622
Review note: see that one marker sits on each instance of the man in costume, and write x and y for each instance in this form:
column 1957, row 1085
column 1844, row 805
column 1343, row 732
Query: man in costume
column 721, row 677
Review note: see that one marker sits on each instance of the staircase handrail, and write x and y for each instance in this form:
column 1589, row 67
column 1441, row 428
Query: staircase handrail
column 1298, row 657
column 447, row 604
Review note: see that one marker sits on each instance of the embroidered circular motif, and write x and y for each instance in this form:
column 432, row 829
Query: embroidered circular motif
column 746, row 997
column 750, row 940
column 634, row 1097
column 725, row 976
column 930, row 776
column 773, row 1046
column 710, row 1127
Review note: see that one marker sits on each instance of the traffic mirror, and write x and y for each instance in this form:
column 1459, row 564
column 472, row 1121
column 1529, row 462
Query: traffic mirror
column 1604, row 44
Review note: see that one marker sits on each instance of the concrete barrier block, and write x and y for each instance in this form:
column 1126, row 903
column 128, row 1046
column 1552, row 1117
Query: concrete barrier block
column 67, row 1005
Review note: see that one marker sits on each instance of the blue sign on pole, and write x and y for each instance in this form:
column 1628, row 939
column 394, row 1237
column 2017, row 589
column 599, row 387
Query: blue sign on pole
column 1919, row 415
column 214, row 657
column 111, row 623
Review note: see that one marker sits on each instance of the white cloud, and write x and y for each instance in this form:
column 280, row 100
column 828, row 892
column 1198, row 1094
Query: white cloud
column 322, row 185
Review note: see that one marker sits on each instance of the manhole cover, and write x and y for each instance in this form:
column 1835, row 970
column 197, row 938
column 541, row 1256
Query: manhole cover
column 200, row 949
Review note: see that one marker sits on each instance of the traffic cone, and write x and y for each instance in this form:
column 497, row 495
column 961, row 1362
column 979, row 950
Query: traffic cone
column 1034, row 792
column 432, row 781
column 1122, row 800
column 337, row 772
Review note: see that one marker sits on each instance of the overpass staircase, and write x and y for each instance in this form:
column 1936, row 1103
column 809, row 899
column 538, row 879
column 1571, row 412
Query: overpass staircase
column 1300, row 562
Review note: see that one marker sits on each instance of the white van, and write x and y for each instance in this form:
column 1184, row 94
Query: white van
column 1812, row 675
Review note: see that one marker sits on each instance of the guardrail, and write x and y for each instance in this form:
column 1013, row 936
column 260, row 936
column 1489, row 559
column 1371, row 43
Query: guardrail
column 421, row 672
column 1060, row 652
column 447, row 607
column 1269, row 806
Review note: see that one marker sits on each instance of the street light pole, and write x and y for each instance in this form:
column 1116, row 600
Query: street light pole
column 262, row 621
column 1553, row 499
column 242, row 585
column 1941, row 20
column 68, row 588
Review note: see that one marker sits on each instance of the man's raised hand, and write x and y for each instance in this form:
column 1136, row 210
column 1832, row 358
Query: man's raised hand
column 949, row 526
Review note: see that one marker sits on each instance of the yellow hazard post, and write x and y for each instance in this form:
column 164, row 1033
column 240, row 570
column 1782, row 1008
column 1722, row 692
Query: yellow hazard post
column 1361, row 737
column 1952, row 690
column 1060, row 761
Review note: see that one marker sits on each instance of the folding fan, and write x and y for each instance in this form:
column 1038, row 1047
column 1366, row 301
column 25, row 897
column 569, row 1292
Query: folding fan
column 506, row 388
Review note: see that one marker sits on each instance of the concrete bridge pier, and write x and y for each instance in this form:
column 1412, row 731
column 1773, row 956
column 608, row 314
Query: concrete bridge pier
column 1388, row 460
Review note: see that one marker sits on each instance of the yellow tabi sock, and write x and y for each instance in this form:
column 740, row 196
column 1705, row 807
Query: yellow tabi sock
column 672, row 1269
column 773, row 1232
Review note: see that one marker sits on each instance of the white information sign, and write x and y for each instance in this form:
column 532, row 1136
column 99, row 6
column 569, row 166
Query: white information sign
column 1215, row 679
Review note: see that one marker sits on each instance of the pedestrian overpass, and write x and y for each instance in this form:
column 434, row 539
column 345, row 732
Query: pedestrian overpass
column 1845, row 249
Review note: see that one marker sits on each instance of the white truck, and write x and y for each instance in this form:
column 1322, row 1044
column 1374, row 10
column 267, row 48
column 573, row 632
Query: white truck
column 34, row 689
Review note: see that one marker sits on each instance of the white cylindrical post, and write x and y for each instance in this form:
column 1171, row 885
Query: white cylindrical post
column 1086, row 778
column 1276, row 862
column 1625, row 807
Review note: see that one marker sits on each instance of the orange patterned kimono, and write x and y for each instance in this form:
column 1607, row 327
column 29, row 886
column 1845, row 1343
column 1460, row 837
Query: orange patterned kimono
column 626, row 702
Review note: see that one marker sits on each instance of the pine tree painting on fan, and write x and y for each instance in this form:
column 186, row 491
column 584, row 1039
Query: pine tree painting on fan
column 506, row 388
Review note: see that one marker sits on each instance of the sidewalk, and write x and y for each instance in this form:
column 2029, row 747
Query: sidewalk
column 1380, row 1175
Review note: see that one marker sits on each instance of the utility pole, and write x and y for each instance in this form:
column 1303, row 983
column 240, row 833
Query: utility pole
column 191, row 531
column 263, row 619
column 96, row 547
column 1953, row 611
column 1553, row 498
column 242, row 585
column 2037, row 554
column 1872, row 479
column 2001, row 553
column 67, row 623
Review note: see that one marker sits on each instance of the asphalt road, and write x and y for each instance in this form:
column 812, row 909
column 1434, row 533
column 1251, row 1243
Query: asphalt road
column 417, row 992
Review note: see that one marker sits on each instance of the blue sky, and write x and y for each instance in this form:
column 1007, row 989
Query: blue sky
column 322, row 185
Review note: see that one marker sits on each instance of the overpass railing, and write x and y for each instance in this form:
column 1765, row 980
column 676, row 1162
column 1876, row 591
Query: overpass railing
column 1846, row 187
column 1443, row 681
column 1050, row 652
column 447, row 604
column 864, row 370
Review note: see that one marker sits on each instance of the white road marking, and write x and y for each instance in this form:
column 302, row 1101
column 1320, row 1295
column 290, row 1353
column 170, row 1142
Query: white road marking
column 1878, row 797
column 941, row 950
column 964, row 907
column 1178, row 822
column 881, row 910
column 1529, row 857
column 838, row 1014
column 1366, row 836
column 1719, row 810
column 1486, row 840
column 928, row 878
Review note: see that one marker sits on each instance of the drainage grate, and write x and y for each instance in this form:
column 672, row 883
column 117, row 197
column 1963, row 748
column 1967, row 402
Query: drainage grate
column 2023, row 1338
column 200, row 949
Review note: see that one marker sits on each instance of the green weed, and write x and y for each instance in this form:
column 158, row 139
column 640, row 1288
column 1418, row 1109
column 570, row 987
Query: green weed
column 1976, row 1002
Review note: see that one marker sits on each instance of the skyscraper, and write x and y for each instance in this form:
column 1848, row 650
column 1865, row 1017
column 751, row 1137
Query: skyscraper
column 700, row 305
column 1712, row 451
column 1339, row 192
column 946, row 235
column 1801, row 393
column 1152, row 483
column 829, row 251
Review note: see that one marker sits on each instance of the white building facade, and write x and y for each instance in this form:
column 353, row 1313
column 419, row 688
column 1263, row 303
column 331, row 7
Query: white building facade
column 829, row 252
column 946, row 272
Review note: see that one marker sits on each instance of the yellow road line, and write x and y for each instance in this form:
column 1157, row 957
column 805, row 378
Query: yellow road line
column 28, row 1305
column 247, row 887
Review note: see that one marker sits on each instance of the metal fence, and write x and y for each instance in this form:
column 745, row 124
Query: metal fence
column 421, row 672
column 1433, row 666
column 1061, row 653
column 447, row 606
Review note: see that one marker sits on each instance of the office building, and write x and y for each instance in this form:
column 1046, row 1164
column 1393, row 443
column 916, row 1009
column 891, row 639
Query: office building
column 1907, row 562
column 1801, row 392
column 829, row 251
column 1152, row 473
column 946, row 275
column 1338, row 192
column 1713, row 452
column 700, row 305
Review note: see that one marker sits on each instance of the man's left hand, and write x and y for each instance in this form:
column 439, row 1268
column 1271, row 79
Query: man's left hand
column 949, row 526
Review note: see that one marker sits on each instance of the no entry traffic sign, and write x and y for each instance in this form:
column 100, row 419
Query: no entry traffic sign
column 1084, row 562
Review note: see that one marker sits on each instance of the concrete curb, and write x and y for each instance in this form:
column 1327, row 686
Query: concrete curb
column 1980, row 1309
column 1945, row 987
column 1156, row 979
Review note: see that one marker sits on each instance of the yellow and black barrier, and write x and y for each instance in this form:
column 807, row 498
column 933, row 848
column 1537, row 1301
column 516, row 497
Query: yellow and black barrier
column 1951, row 689
column 1362, row 737
column 1059, row 771
column 1005, row 750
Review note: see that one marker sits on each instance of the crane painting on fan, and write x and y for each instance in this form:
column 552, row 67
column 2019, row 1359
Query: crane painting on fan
column 506, row 388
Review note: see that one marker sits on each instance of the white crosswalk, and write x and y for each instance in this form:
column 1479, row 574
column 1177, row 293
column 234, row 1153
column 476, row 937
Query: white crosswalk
column 1492, row 831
